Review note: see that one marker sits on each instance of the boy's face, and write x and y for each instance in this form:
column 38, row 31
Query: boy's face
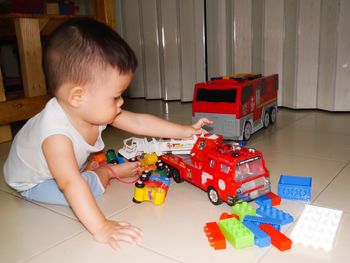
column 103, row 98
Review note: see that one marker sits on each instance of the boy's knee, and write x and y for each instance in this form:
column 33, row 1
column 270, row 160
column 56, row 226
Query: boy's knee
column 94, row 183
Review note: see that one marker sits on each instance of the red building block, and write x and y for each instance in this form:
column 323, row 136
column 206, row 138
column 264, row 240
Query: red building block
column 214, row 235
column 276, row 200
column 226, row 215
column 278, row 239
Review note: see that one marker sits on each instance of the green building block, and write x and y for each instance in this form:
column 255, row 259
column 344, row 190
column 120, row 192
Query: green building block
column 243, row 209
column 236, row 233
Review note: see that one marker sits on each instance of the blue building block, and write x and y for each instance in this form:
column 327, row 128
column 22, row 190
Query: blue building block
column 120, row 159
column 295, row 187
column 263, row 200
column 257, row 220
column 272, row 212
column 261, row 239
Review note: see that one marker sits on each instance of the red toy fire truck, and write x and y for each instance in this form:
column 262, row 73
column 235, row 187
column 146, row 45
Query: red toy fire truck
column 227, row 172
column 239, row 105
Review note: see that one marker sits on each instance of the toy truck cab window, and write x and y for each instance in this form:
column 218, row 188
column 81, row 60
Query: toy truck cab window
column 224, row 168
column 276, row 82
column 246, row 94
column 216, row 95
column 249, row 168
column 211, row 163
column 257, row 95
column 263, row 87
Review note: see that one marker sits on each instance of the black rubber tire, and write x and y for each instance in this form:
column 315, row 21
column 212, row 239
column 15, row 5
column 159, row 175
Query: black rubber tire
column 247, row 132
column 213, row 196
column 266, row 120
column 176, row 175
column 273, row 115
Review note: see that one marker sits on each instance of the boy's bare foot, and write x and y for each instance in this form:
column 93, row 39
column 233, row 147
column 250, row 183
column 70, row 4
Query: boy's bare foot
column 126, row 170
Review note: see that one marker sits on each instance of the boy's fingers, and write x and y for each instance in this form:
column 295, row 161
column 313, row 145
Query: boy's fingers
column 126, row 237
column 114, row 244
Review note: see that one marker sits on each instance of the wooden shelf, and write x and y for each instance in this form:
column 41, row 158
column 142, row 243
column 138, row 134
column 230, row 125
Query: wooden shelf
column 28, row 30
column 47, row 23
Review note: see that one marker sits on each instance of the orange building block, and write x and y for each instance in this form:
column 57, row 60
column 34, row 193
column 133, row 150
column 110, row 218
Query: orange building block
column 214, row 235
column 99, row 157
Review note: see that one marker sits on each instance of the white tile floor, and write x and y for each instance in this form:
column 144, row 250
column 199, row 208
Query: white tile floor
column 306, row 143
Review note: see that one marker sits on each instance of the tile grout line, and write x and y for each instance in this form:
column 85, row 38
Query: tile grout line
column 159, row 253
column 345, row 165
column 52, row 246
column 44, row 207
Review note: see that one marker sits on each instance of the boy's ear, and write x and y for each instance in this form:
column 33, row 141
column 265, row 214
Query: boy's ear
column 75, row 96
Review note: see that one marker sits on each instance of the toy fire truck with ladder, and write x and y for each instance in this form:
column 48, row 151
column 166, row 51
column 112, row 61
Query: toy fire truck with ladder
column 227, row 172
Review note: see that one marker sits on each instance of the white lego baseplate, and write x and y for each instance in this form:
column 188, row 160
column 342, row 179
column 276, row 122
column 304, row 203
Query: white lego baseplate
column 317, row 227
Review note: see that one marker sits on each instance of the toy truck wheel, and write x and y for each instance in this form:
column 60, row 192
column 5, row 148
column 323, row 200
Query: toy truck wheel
column 273, row 115
column 136, row 201
column 266, row 119
column 214, row 196
column 247, row 132
column 139, row 184
column 176, row 175
column 145, row 176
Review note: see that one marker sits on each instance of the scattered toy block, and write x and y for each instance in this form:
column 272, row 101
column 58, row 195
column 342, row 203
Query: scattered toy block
column 278, row 239
column 226, row 215
column 236, row 233
column 263, row 200
column 215, row 237
column 317, row 227
column 261, row 239
column 295, row 187
column 275, row 199
column 272, row 212
column 257, row 220
column 243, row 209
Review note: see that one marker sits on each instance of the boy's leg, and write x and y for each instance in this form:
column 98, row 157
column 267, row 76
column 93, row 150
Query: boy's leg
column 48, row 191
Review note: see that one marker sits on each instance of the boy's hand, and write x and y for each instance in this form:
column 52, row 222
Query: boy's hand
column 199, row 124
column 113, row 233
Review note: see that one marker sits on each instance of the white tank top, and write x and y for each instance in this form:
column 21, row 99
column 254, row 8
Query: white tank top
column 26, row 166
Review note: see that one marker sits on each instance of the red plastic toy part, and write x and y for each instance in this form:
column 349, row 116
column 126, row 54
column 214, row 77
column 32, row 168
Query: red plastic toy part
column 236, row 104
column 276, row 200
column 278, row 239
column 214, row 235
column 226, row 215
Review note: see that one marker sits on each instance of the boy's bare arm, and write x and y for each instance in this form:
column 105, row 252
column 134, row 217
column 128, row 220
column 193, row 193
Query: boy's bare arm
column 58, row 151
column 150, row 125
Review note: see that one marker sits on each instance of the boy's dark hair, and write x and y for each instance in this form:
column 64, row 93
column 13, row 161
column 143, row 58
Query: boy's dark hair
column 78, row 45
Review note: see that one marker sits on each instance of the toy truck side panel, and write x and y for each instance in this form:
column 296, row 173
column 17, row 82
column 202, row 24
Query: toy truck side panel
column 232, row 104
column 204, row 176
